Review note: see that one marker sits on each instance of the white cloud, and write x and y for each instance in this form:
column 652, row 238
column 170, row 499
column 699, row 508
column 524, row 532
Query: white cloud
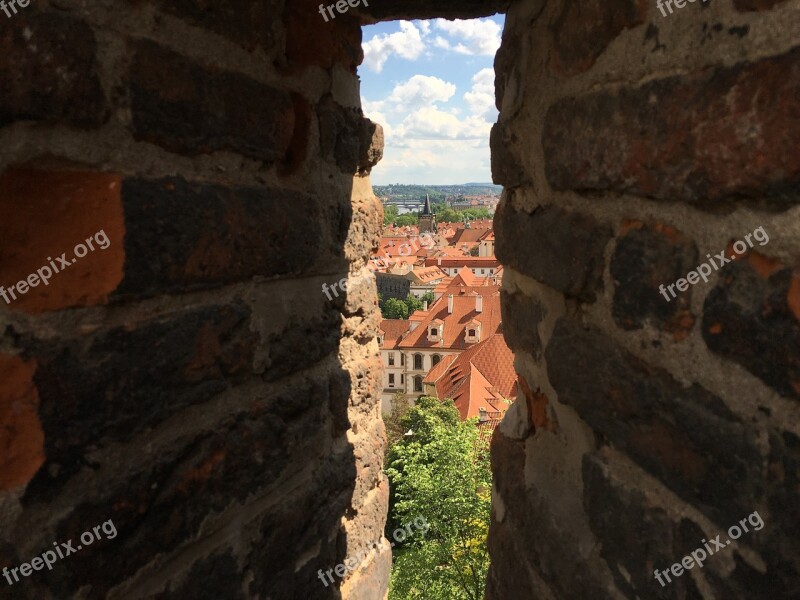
column 432, row 123
column 406, row 43
column 476, row 36
column 422, row 89
column 481, row 98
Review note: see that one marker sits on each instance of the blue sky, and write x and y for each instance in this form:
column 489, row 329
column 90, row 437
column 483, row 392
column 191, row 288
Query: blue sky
column 431, row 85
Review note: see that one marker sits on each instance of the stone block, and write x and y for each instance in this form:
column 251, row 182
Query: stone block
column 663, row 139
column 191, row 109
column 48, row 71
column 560, row 248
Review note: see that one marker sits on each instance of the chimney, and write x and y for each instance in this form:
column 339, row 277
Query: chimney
column 425, row 305
column 483, row 415
column 479, row 304
column 450, row 304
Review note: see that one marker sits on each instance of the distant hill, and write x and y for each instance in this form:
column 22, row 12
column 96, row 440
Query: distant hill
column 414, row 192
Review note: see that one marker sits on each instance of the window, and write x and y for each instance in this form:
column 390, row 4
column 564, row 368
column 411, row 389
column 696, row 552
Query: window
column 417, row 383
column 471, row 333
column 434, row 331
column 418, row 362
column 435, row 359
column 402, row 359
column 391, row 379
column 391, row 359
column 482, row 271
column 402, row 379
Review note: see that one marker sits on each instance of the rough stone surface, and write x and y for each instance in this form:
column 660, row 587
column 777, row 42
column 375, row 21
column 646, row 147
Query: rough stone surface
column 183, row 236
column 674, row 128
column 567, row 248
column 49, row 71
column 581, row 32
column 189, row 109
column 686, row 436
column 752, row 317
column 646, row 257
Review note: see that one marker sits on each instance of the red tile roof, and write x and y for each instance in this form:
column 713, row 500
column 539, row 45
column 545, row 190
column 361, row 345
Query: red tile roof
column 481, row 377
column 393, row 330
column 463, row 261
column 464, row 310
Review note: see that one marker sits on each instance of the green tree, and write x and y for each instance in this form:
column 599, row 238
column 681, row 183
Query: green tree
column 389, row 213
column 440, row 473
column 406, row 219
column 428, row 297
column 413, row 303
column 395, row 309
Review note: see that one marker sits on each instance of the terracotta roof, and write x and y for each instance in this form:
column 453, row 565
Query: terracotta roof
column 481, row 377
column 464, row 310
column 393, row 330
column 462, row 261
column 427, row 274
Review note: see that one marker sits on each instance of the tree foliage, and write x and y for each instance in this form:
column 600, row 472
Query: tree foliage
column 395, row 309
column 440, row 473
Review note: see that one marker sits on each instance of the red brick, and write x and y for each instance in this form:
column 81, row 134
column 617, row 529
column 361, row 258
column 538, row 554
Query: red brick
column 21, row 435
column 47, row 213
column 310, row 41
column 718, row 133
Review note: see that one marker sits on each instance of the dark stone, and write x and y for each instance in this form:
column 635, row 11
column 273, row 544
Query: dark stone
column 248, row 23
column 687, row 437
column 662, row 139
column 521, row 318
column 641, row 542
column 507, row 167
column 157, row 510
column 122, row 381
column 48, row 70
column 560, row 248
column 183, row 236
column 752, row 318
column 582, row 31
column 646, row 257
column 188, row 109
column 217, row 576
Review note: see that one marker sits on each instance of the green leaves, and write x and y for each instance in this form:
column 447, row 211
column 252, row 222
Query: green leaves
column 440, row 473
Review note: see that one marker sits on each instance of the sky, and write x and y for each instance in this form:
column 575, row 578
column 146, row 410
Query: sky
column 431, row 85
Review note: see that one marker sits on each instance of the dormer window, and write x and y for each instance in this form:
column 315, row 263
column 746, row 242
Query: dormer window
column 472, row 334
column 435, row 330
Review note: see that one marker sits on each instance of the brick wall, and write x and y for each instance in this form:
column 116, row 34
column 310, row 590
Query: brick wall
column 191, row 382
column 631, row 146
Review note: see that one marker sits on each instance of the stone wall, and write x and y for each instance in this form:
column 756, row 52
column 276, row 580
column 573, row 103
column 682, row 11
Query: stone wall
column 190, row 382
column 632, row 146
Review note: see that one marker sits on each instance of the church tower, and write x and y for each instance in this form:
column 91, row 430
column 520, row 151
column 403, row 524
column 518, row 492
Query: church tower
column 427, row 219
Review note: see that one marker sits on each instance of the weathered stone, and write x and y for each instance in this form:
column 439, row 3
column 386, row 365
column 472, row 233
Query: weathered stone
column 311, row 41
column 182, row 236
column 581, row 32
column 507, row 168
column 248, row 23
column 646, row 257
column 217, row 576
column 48, row 70
column 391, row 10
column 645, row 540
column 124, row 380
column 753, row 318
column 756, row 5
column 371, row 145
column 663, row 139
column 687, row 437
column 521, row 318
column 186, row 108
column 563, row 249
